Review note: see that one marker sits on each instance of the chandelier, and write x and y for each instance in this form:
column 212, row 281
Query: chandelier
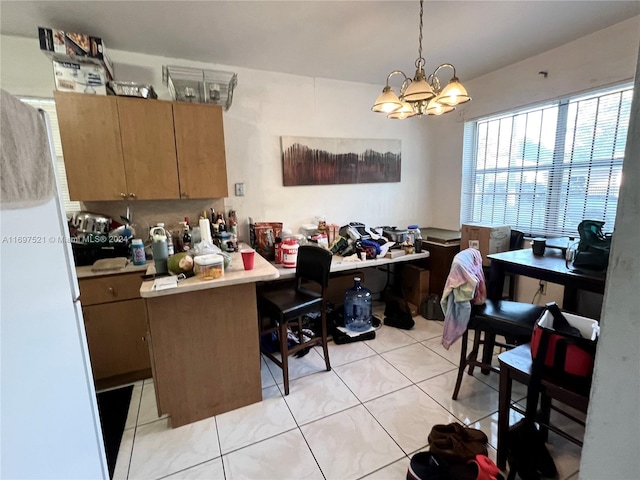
column 421, row 95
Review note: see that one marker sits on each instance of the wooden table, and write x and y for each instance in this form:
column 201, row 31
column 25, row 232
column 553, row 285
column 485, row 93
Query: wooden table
column 550, row 267
column 203, row 341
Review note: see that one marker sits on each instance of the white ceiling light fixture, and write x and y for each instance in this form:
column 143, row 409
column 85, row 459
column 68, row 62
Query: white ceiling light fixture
column 421, row 95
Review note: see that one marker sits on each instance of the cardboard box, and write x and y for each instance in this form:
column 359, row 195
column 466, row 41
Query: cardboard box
column 79, row 77
column 485, row 237
column 415, row 284
column 74, row 47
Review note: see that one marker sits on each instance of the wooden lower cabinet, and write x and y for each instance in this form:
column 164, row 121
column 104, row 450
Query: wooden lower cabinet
column 116, row 335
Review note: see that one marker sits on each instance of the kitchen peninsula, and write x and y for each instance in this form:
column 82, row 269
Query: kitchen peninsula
column 203, row 341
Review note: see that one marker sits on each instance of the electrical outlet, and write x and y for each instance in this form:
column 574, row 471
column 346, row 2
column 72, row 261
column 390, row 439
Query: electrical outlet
column 543, row 287
column 239, row 189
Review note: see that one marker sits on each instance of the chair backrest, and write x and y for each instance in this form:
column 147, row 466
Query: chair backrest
column 517, row 240
column 313, row 263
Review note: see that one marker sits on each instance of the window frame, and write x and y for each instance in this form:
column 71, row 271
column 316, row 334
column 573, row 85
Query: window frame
column 556, row 193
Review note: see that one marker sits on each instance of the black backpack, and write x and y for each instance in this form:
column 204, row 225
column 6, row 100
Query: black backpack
column 593, row 250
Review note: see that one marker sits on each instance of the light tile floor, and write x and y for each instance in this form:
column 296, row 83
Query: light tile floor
column 363, row 419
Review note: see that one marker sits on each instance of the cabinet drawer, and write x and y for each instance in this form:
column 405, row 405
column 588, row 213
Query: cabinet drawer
column 116, row 337
column 110, row 288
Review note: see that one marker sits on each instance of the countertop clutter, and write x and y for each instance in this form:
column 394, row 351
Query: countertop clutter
column 235, row 274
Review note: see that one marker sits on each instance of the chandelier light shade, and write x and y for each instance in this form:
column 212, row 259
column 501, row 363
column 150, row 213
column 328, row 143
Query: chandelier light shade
column 387, row 102
column 421, row 95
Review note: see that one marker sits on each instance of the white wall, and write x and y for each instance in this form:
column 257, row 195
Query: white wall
column 267, row 105
column 612, row 442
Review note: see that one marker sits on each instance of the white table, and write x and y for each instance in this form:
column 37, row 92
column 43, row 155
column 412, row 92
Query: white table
column 339, row 264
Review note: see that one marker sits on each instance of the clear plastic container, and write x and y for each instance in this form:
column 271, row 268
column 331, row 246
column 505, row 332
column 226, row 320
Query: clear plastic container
column 357, row 307
column 209, row 267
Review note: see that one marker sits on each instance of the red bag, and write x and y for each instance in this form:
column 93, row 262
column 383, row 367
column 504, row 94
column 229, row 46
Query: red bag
column 568, row 354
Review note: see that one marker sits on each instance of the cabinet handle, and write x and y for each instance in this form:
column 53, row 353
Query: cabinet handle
column 123, row 195
column 112, row 291
column 132, row 195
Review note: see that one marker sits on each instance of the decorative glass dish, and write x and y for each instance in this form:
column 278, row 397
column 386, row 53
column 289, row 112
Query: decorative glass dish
column 200, row 86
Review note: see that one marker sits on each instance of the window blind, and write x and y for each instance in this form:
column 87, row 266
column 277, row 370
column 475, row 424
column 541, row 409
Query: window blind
column 545, row 169
column 49, row 106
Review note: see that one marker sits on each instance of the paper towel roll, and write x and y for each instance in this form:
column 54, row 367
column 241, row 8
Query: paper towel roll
column 205, row 230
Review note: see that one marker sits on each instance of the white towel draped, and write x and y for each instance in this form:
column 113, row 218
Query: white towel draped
column 26, row 169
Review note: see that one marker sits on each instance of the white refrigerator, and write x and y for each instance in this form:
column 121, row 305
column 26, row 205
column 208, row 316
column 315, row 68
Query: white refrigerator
column 49, row 421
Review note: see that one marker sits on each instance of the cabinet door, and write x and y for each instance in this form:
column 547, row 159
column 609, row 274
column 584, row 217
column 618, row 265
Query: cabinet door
column 200, row 147
column 148, row 147
column 90, row 135
column 115, row 334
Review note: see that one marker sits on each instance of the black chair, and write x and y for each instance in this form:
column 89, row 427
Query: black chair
column 512, row 320
column 285, row 307
column 516, row 242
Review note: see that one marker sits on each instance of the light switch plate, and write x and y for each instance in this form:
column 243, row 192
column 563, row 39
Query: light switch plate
column 239, row 189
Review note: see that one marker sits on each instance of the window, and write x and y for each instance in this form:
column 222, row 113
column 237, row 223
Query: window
column 543, row 170
column 49, row 106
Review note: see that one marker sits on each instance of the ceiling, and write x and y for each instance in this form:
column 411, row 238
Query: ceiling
column 358, row 41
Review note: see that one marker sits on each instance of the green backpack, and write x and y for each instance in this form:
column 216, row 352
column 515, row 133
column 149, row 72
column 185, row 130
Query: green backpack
column 593, row 250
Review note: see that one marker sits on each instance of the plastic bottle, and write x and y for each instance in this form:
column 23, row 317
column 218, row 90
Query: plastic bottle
column 416, row 237
column 357, row 307
column 137, row 252
column 289, row 249
column 159, row 249
column 167, row 232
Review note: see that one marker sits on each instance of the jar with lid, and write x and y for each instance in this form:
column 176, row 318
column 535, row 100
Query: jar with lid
column 209, row 267
column 289, row 249
column 415, row 237
column 357, row 307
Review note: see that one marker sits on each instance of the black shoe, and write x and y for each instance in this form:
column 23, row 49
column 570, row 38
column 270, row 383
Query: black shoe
column 401, row 320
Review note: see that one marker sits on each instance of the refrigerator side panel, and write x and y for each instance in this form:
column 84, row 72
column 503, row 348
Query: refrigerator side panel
column 50, row 424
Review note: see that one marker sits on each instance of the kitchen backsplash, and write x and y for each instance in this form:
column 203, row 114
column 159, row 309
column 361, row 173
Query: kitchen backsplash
column 147, row 213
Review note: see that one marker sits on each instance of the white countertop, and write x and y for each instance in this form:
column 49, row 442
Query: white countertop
column 339, row 264
column 87, row 272
column 235, row 274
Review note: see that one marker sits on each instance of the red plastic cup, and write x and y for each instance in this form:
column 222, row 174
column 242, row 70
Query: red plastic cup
column 248, row 254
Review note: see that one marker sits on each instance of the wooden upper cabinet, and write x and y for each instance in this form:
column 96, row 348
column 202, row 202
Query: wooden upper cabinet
column 149, row 149
column 90, row 135
column 202, row 163
column 119, row 147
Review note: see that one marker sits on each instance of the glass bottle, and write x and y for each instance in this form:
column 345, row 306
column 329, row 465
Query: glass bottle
column 357, row 307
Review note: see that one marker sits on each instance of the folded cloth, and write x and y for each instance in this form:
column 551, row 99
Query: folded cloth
column 105, row 264
column 27, row 178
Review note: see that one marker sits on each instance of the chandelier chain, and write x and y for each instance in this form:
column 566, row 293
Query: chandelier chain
column 420, row 60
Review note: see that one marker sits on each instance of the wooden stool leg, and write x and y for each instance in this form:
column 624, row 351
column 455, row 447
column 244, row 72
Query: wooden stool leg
column 463, row 363
column 504, row 405
column 284, row 353
column 473, row 356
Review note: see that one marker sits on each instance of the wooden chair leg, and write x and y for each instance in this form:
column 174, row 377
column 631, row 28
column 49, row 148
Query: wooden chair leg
column 504, row 405
column 463, row 364
column 473, row 356
column 284, row 353
column 325, row 346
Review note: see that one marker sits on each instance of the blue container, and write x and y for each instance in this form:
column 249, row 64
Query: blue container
column 137, row 252
column 357, row 307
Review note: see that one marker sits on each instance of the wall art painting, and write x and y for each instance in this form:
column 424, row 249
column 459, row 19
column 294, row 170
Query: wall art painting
column 329, row 161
